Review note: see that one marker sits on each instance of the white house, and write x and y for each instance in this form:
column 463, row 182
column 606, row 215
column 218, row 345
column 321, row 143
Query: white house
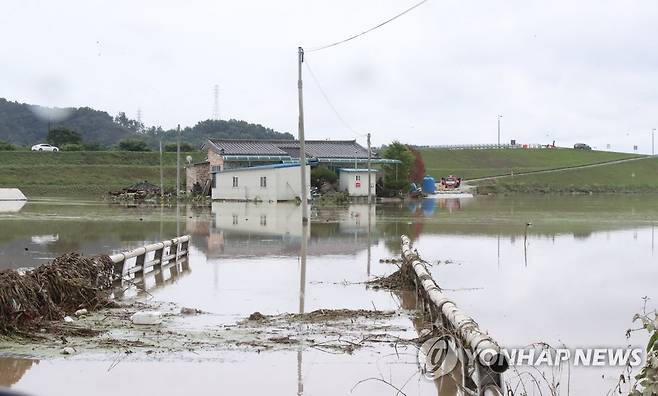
column 355, row 181
column 275, row 182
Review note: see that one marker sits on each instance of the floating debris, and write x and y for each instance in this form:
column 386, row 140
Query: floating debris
column 68, row 351
column 146, row 318
column 257, row 317
column 69, row 283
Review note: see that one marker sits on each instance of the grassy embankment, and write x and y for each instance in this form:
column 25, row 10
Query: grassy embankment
column 633, row 176
column 471, row 164
column 85, row 173
column 627, row 177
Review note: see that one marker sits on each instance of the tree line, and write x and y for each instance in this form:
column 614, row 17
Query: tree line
column 23, row 125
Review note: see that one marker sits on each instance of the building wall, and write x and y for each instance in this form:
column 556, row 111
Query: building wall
column 196, row 173
column 283, row 184
column 215, row 159
column 347, row 182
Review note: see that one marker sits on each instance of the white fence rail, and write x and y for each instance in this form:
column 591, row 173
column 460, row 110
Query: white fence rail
column 487, row 146
column 165, row 252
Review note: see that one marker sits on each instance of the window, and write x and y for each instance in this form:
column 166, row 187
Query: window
column 263, row 181
column 358, row 177
column 214, row 180
column 235, row 219
column 235, row 181
column 263, row 220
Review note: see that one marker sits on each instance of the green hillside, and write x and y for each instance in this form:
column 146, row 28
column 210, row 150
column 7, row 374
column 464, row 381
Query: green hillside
column 23, row 124
column 632, row 176
column 471, row 164
column 85, row 173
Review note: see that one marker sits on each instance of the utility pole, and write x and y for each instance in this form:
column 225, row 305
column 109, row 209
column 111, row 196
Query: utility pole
column 161, row 175
column 499, row 117
column 302, row 147
column 178, row 162
column 653, row 132
column 369, row 185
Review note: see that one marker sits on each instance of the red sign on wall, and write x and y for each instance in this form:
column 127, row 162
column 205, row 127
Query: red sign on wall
column 358, row 183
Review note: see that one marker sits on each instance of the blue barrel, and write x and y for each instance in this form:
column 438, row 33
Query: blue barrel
column 429, row 185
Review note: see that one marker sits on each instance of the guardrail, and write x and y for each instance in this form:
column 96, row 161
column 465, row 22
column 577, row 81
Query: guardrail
column 150, row 258
column 486, row 357
column 487, row 146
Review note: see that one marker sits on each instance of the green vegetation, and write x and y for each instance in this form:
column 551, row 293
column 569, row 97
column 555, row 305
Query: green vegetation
column 632, row 176
column 321, row 174
column 172, row 147
column 85, row 173
column 133, row 145
column 4, row 146
column 61, row 136
column 25, row 125
column 396, row 176
column 470, row 164
column 72, row 147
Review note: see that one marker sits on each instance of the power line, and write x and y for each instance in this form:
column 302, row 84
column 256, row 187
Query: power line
column 369, row 30
column 326, row 98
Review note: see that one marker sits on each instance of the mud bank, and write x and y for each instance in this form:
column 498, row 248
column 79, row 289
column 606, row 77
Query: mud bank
column 109, row 331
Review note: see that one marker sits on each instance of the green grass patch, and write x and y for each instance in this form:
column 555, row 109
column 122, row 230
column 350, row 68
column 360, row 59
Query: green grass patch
column 90, row 173
column 471, row 164
column 626, row 177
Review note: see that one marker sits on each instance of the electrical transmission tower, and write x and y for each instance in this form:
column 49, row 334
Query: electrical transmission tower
column 215, row 109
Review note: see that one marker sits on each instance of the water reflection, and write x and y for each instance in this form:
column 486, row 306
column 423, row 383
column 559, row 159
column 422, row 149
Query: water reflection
column 11, row 206
column 13, row 369
column 238, row 229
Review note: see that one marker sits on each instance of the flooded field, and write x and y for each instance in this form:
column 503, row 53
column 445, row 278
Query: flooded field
column 565, row 270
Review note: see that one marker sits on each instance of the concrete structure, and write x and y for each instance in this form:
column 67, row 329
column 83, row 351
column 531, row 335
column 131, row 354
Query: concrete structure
column 277, row 182
column 197, row 173
column 11, row 194
column 355, row 181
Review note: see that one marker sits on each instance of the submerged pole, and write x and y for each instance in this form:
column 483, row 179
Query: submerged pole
column 302, row 147
column 161, row 175
column 178, row 162
column 369, row 181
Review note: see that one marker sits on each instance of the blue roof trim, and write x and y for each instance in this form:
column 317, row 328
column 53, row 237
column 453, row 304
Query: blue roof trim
column 259, row 167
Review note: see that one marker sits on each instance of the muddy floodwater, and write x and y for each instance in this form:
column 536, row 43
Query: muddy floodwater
column 565, row 270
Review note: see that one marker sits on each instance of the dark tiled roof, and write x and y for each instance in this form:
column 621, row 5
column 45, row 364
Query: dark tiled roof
column 314, row 148
column 247, row 147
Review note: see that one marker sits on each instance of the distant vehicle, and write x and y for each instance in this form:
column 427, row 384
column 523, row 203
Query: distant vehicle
column 44, row 147
column 451, row 182
column 581, row 146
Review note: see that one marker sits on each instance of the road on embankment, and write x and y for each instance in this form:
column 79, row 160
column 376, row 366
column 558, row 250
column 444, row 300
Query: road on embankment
column 561, row 169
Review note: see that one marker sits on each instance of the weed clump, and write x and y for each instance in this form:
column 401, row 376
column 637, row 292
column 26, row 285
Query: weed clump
column 68, row 283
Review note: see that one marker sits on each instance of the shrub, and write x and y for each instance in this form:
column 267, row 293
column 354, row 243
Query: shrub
column 61, row 136
column 6, row 146
column 322, row 174
column 72, row 147
column 184, row 147
column 133, row 145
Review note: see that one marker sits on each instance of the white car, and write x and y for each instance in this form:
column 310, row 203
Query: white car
column 44, row 147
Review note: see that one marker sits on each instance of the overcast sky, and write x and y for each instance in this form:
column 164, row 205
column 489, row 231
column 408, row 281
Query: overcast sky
column 573, row 71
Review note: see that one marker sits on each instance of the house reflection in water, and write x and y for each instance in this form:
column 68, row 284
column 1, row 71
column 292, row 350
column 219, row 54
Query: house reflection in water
column 247, row 229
